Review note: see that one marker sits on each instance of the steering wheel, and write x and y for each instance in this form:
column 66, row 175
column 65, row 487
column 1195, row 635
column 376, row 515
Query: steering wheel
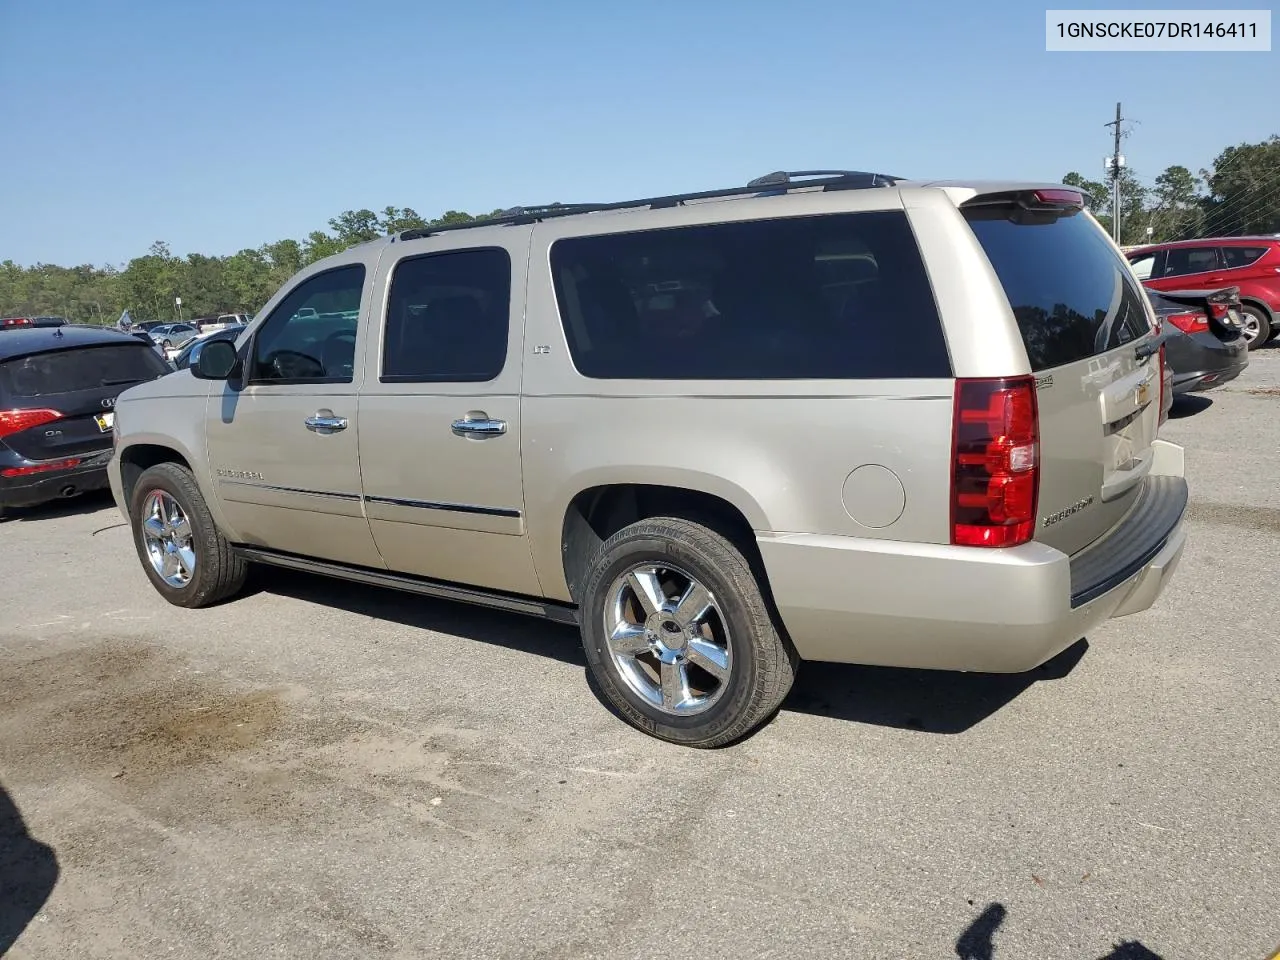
column 339, row 361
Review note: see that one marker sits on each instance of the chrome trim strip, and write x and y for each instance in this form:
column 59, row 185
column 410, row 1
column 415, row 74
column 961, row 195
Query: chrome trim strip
column 451, row 507
column 298, row 490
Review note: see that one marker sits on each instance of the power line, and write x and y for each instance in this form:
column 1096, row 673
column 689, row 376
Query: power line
column 1224, row 215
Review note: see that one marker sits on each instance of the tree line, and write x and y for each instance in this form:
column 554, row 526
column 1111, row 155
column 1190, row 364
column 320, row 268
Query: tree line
column 1240, row 194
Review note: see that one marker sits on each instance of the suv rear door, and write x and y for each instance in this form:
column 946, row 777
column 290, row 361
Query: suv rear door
column 440, row 416
column 81, row 384
column 1082, row 318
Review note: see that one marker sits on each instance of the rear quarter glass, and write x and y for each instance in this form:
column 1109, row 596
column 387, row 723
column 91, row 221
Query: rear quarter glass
column 838, row 296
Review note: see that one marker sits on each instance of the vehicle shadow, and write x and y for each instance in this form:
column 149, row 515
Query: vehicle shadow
column 525, row 634
column 977, row 942
column 28, row 873
column 1189, row 405
column 925, row 700
column 79, row 505
column 932, row 701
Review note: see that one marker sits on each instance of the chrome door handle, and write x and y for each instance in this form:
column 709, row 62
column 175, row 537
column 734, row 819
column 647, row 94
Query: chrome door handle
column 327, row 424
column 479, row 427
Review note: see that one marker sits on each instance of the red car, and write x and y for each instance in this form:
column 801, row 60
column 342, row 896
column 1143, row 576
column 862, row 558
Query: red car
column 1250, row 263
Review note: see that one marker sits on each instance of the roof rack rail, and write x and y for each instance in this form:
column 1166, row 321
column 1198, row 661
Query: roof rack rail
column 770, row 184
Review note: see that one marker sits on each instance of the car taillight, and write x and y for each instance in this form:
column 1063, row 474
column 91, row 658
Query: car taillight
column 1219, row 310
column 40, row 468
column 995, row 462
column 16, row 322
column 15, row 421
column 1189, row 322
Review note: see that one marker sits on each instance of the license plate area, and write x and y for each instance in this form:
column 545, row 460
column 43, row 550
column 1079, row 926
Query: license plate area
column 105, row 421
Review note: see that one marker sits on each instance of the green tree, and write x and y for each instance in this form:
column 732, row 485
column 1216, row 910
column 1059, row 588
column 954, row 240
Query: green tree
column 1178, row 210
column 394, row 220
column 1244, row 190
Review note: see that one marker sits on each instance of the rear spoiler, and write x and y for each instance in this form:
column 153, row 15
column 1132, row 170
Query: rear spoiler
column 1196, row 298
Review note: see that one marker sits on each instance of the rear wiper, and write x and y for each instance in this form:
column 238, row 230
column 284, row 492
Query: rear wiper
column 116, row 383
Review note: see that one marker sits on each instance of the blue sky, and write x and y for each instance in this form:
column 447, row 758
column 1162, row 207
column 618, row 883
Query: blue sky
column 218, row 126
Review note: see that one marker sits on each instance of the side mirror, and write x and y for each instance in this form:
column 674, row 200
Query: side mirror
column 217, row 361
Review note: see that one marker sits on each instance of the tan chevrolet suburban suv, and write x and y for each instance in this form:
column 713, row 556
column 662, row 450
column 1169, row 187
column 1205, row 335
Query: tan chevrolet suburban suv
column 828, row 416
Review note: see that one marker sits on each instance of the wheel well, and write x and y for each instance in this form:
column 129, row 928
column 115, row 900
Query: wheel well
column 1249, row 301
column 143, row 456
column 596, row 514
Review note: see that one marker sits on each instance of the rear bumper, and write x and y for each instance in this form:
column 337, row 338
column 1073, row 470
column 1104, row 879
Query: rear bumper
column 1201, row 361
column 942, row 607
column 89, row 474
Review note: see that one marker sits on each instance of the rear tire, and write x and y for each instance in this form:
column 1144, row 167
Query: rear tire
column 1256, row 320
column 700, row 669
column 185, row 557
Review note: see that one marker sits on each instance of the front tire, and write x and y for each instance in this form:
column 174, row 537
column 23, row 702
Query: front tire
column 187, row 560
column 679, row 637
column 1257, row 326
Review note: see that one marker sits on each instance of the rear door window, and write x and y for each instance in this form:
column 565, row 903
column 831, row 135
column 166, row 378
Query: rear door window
column 1184, row 260
column 87, row 368
column 1070, row 291
column 841, row 296
column 448, row 316
column 1236, row 257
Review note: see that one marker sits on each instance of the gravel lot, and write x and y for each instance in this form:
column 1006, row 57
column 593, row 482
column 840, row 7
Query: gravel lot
column 324, row 770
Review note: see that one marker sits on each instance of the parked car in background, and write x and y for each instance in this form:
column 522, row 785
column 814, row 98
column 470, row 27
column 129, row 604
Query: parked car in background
column 191, row 352
column 58, row 389
column 13, row 323
column 1205, row 344
column 1250, row 263
column 210, row 324
column 172, row 335
column 836, row 417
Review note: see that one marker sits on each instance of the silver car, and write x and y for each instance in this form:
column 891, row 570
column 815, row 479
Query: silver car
column 170, row 336
column 823, row 417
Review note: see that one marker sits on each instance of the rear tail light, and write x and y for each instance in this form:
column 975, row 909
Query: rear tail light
column 1219, row 310
column 1189, row 322
column 15, row 322
column 15, row 421
column 995, row 464
column 40, row 468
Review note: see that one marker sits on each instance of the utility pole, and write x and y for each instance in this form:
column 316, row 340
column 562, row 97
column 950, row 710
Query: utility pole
column 1114, row 165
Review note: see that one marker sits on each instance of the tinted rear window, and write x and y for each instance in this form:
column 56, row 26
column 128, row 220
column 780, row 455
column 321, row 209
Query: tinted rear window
column 1072, row 294
column 1242, row 256
column 89, row 368
column 833, row 297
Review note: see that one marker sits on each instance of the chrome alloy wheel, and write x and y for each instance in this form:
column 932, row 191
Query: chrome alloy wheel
column 1251, row 326
column 167, row 533
column 668, row 638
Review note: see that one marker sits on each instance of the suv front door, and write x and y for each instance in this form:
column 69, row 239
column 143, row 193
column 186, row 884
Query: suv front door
column 440, row 419
column 282, row 440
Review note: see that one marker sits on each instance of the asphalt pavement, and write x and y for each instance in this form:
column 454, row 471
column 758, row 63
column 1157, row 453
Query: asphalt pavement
column 325, row 770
